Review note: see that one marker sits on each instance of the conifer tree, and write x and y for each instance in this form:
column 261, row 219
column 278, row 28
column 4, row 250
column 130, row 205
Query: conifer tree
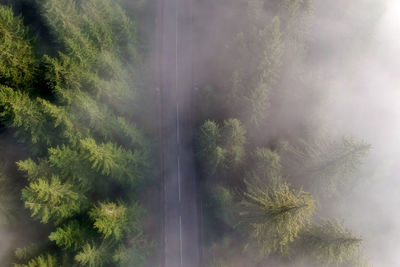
column 233, row 139
column 38, row 122
column 92, row 256
column 208, row 146
column 47, row 260
column 221, row 148
column 110, row 219
column 17, row 62
column 109, row 159
column 257, row 53
column 266, row 167
column 51, row 199
column 274, row 216
column 70, row 235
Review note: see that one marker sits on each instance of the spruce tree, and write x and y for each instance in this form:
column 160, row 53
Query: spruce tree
column 70, row 235
column 221, row 147
column 51, row 199
column 273, row 217
column 47, row 260
column 110, row 219
column 92, row 256
column 17, row 61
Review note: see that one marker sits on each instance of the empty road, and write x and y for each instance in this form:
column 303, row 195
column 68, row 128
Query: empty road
column 181, row 231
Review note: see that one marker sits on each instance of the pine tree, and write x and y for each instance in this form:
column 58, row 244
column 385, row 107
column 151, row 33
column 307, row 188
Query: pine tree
column 41, row 261
column 221, row 148
column 92, row 256
column 51, row 199
column 257, row 54
column 135, row 255
column 27, row 252
column 233, row 139
column 222, row 205
column 274, row 217
column 208, row 146
column 266, row 167
column 109, row 159
column 76, row 111
column 17, row 61
column 38, row 122
column 70, row 235
column 110, row 219
column 330, row 243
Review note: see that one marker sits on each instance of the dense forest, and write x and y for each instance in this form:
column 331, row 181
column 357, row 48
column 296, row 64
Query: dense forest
column 268, row 173
column 79, row 137
column 76, row 158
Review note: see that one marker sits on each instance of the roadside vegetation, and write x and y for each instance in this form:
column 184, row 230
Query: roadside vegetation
column 267, row 172
column 76, row 160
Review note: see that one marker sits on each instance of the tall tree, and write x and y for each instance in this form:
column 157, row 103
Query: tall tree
column 17, row 61
column 221, row 148
column 274, row 216
column 52, row 199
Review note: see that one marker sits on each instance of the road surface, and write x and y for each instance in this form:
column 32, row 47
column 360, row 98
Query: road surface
column 181, row 232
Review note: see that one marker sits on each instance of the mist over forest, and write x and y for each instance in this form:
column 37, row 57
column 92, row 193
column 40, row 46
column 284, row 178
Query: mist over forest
column 296, row 122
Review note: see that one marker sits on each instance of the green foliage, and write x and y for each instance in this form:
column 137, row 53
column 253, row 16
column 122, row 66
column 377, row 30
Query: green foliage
column 110, row 219
column 207, row 142
column 325, row 165
column 70, row 235
column 34, row 170
column 37, row 121
column 51, row 199
column 255, row 70
column 113, row 220
column 330, row 243
column 274, row 217
column 267, row 167
column 109, row 159
column 41, row 261
column 221, row 202
column 7, row 197
column 75, row 110
column 27, row 252
column 92, row 256
column 232, row 140
column 17, row 62
column 100, row 47
column 221, row 148
column 72, row 166
column 135, row 255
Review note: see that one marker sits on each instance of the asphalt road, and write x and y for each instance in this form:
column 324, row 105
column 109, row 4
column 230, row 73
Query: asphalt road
column 181, row 227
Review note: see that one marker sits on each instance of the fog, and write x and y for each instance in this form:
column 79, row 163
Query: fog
column 363, row 100
column 354, row 50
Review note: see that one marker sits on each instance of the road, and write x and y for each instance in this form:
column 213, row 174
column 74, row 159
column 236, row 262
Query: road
column 181, row 231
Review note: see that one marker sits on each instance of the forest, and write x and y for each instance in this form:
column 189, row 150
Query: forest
column 76, row 157
column 269, row 174
column 79, row 142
